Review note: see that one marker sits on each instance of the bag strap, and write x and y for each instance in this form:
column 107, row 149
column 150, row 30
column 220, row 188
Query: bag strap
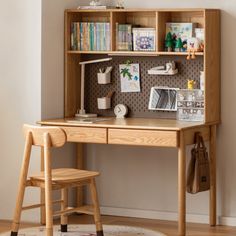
column 199, row 142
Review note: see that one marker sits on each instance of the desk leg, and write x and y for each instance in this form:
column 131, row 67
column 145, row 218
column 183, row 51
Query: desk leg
column 80, row 165
column 182, row 186
column 212, row 199
column 42, row 193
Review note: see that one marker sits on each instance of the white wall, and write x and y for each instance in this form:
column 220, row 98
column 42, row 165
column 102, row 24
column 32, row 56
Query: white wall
column 20, row 82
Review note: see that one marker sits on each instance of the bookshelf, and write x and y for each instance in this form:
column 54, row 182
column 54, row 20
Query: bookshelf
column 209, row 19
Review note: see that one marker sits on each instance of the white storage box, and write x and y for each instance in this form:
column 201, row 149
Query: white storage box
column 104, row 78
column 104, row 103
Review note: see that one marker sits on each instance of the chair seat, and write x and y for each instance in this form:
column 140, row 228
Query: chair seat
column 66, row 175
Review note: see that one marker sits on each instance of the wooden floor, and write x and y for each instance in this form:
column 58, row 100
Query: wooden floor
column 166, row 227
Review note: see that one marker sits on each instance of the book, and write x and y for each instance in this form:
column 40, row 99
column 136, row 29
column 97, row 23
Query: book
column 103, row 7
column 90, row 36
column 123, row 37
column 144, row 39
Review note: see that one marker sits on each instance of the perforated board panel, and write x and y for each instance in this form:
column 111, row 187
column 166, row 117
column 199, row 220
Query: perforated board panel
column 137, row 102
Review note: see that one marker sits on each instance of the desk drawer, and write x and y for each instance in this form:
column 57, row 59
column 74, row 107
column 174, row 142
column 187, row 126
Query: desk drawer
column 86, row 134
column 143, row 137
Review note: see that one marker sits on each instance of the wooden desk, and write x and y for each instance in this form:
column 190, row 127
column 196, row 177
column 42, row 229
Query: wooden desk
column 150, row 132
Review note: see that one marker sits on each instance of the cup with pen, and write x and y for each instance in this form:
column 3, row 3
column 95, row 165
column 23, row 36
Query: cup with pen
column 104, row 75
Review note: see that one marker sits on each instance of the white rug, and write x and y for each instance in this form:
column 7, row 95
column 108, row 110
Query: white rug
column 89, row 230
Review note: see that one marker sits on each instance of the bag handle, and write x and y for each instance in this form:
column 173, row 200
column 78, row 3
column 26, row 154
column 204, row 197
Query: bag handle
column 199, row 140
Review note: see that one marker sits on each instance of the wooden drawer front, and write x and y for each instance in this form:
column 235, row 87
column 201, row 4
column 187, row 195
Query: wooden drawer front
column 143, row 137
column 86, row 135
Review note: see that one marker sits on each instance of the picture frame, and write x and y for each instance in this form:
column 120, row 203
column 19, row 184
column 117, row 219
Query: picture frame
column 163, row 99
column 144, row 39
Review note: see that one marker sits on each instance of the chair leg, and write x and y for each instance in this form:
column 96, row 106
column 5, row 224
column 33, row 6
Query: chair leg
column 97, row 216
column 22, row 185
column 18, row 210
column 64, row 205
column 48, row 186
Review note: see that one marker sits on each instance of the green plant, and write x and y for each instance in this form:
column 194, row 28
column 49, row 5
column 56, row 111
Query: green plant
column 125, row 72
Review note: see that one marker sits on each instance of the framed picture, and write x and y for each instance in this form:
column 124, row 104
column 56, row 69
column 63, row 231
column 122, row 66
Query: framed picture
column 144, row 39
column 163, row 99
column 129, row 77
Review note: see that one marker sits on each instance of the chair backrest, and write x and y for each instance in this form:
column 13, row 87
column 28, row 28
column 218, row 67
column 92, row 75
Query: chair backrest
column 57, row 135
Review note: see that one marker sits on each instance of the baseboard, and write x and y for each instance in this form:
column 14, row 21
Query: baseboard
column 229, row 221
column 162, row 215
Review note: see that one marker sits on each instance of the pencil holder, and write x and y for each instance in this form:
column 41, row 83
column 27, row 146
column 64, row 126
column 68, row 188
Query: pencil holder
column 104, row 103
column 104, row 78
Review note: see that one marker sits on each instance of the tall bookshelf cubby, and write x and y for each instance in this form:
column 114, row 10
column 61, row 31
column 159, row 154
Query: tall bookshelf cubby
column 209, row 60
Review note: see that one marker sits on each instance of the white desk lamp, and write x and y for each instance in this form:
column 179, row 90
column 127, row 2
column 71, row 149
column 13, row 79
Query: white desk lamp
column 82, row 113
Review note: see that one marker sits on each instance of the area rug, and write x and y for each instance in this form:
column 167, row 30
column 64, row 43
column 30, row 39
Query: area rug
column 89, row 230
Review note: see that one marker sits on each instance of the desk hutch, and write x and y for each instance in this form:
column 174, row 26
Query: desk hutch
column 149, row 130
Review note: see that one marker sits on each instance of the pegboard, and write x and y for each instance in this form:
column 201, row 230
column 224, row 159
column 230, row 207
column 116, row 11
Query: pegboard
column 137, row 102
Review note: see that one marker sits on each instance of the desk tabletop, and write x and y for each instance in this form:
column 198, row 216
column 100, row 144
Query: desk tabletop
column 127, row 123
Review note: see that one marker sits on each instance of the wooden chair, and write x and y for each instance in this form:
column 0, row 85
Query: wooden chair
column 50, row 179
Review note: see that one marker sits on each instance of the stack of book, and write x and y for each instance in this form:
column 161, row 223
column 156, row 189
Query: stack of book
column 124, row 37
column 90, row 36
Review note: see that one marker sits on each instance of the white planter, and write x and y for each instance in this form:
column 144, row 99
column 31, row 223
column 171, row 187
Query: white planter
column 104, row 103
column 104, row 78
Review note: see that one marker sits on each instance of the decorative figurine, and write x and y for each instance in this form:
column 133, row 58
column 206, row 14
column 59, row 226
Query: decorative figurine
column 179, row 45
column 191, row 83
column 168, row 69
column 193, row 46
column 169, row 42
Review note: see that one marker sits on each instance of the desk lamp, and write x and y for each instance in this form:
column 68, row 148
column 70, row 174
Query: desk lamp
column 82, row 113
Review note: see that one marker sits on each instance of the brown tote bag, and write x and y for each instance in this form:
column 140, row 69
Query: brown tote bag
column 198, row 175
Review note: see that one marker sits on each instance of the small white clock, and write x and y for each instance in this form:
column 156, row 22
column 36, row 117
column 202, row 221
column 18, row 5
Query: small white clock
column 120, row 110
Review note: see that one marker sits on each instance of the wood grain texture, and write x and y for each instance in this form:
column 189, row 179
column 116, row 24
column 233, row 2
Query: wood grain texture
column 167, row 227
column 64, row 175
column 22, row 182
column 189, row 134
column 212, row 199
column 143, row 137
column 212, row 65
column 80, row 165
column 86, row 135
column 57, row 135
column 127, row 123
column 182, row 186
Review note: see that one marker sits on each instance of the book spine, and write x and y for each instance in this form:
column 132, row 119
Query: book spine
column 98, row 36
column 86, row 43
column 78, row 35
column 95, row 36
column 129, row 39
column 101, row 37
column 117, row 36
column 81, row 37
column 108, row 37
column 91, row 36
column 72, row 36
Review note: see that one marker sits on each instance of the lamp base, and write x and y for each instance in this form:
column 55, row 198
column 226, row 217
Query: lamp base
column 86, row 115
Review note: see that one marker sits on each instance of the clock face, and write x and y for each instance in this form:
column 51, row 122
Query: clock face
column 120, row 110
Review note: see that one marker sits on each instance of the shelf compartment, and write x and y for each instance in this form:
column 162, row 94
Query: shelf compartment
column 145, row 19
column 177, row 17
column 84, row 16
